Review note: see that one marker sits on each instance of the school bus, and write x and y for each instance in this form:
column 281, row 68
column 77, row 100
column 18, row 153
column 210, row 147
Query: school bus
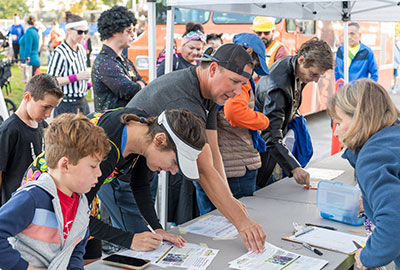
column 378, row 36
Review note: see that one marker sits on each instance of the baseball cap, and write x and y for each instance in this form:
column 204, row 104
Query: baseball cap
column 186, row 153
column 249, row 40
column 230, row 56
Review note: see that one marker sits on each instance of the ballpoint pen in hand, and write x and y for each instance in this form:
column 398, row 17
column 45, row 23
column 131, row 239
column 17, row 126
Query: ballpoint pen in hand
column 148, row 225
column 313, row 249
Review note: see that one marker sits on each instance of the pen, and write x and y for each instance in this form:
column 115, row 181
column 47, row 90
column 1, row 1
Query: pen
column 303, row 231
column 358, row 245
column 313, row 249
column 148, row 225
column 321, row 226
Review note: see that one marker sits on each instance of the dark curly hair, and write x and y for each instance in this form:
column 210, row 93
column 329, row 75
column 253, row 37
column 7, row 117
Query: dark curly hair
column 114, row 20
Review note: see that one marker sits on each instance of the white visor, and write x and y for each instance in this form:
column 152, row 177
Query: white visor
column 76, row 24
column 186, row 153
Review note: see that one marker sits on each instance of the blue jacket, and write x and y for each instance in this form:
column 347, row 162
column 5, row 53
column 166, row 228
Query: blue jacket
column 363, row 65
column 377, row 167
column 32, row 221
column 29, row 43
column 17, row 30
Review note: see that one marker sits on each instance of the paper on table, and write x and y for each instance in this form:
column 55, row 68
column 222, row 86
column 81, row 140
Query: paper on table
column 323, row 174
column 190, row 256
column 328, row 239
column 213, row 226
column 318, row 174
column 276, row 258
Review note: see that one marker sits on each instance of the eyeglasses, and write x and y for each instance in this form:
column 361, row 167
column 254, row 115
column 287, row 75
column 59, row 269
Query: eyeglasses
column 261, row 33
column 80, row 32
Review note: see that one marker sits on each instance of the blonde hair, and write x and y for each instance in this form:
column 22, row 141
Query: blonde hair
column 370, row 107
column 75, row 137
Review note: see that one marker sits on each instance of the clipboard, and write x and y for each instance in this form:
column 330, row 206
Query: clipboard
column 322, row 238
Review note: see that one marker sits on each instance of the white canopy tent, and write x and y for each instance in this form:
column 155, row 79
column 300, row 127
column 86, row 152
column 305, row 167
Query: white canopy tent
column 325, row 10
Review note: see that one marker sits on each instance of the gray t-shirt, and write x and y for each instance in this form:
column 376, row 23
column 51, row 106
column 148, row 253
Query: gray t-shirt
column 176, row 90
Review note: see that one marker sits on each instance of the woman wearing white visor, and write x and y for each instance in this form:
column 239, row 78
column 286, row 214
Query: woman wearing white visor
column 168, row 142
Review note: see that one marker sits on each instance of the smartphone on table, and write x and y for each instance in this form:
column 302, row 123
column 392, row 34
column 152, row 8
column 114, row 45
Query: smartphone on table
column 127, row 262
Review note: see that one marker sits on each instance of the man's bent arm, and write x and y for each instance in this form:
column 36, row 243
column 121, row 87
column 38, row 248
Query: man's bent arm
column 220, row 195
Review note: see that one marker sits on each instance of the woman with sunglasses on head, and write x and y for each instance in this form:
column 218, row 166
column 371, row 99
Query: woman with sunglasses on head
column 191, row 47
column 368, row 125
column 68, row 64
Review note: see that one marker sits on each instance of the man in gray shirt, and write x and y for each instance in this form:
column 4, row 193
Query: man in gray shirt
column 199, row 89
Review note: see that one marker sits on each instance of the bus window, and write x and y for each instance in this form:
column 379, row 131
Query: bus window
column 306, row 28
column 230, row 18
column 182, row 16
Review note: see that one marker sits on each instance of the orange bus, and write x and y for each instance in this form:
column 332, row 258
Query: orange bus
column 292, row 33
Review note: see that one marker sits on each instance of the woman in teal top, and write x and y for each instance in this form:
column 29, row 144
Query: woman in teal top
column 29, row 43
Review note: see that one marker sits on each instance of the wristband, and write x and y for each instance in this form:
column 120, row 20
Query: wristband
column 72, row 78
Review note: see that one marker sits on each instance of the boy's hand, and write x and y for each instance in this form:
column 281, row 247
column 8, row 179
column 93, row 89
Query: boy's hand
column 177, row 240
column 146, row 241
column 30, row 267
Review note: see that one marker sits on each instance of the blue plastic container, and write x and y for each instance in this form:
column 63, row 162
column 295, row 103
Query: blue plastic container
column 339, row 202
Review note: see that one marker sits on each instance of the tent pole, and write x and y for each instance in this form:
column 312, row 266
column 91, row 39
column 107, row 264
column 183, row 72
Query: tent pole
column 170, row 39
column 346, row 52
column 3, row 107
column 151, row 22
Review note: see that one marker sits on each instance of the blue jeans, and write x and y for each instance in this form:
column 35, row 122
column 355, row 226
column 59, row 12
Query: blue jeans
column 120, row 203
column 240, row 187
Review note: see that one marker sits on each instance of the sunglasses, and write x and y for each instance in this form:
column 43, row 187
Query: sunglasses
column 261, row 33
column 80, row 32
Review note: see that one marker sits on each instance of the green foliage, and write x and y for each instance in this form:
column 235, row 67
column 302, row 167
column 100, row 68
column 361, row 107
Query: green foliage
column 112, row 3
column 83, row 5
column 9, row 7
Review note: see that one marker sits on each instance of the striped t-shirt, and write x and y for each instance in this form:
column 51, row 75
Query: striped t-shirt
column 65, row 61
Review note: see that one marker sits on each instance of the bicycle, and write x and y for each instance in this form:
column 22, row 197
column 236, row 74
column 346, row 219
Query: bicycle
column 5, row 74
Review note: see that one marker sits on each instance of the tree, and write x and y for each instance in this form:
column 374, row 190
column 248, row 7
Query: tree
column 112, row 3
column 10, row 7
column 79, row 7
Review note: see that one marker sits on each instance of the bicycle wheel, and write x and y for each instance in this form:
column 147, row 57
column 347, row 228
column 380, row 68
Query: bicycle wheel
column 11, row 107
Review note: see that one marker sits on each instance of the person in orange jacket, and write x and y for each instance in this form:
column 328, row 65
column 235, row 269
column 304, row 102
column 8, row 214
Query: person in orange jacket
column 238, row 124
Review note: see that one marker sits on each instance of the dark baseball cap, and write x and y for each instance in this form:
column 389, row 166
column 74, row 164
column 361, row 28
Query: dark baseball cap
column 230, row 56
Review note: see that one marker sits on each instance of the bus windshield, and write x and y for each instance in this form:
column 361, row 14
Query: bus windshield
column 231, row 18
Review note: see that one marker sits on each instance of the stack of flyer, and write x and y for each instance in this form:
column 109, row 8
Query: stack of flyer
column 275, row 258
column 190, row 256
